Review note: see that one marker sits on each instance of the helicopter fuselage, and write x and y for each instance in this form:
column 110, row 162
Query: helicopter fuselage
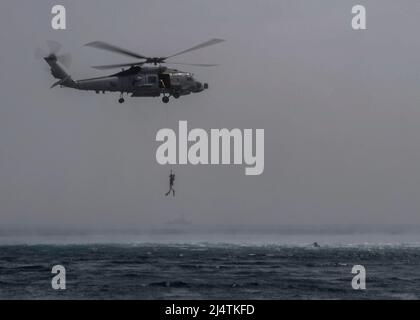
column 143, row 82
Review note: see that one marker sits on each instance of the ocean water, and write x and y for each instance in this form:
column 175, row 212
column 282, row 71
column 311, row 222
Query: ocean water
column 210, row 270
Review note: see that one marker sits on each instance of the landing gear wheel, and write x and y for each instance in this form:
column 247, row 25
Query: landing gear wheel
column 121, row 100
column 165, row 99
column 176, row 95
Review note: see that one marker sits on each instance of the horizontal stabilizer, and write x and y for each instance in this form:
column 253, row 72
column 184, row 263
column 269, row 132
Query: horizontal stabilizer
column 61, row 82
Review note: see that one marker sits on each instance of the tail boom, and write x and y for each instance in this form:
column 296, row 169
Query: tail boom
column 59, row 73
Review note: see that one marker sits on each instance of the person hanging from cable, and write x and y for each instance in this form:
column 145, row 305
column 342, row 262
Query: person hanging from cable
column 171, row 184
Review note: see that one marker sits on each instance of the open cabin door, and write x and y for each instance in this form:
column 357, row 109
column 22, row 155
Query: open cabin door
column 147, row 86
column 164, row 81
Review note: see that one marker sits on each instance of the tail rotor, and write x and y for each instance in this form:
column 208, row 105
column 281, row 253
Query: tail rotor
column 56, row 62
column 54, row 48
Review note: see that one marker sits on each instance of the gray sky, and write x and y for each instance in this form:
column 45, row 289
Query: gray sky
column 340, row 109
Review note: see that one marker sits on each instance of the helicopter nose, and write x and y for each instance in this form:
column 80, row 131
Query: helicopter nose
column 198, row 86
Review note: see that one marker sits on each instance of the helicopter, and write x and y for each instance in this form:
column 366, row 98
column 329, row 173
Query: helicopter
column 145, row 78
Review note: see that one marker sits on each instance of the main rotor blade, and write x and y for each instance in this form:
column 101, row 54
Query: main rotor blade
column 109, row 47
column 114, row 66
column 194, row 64
column 200, row 46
